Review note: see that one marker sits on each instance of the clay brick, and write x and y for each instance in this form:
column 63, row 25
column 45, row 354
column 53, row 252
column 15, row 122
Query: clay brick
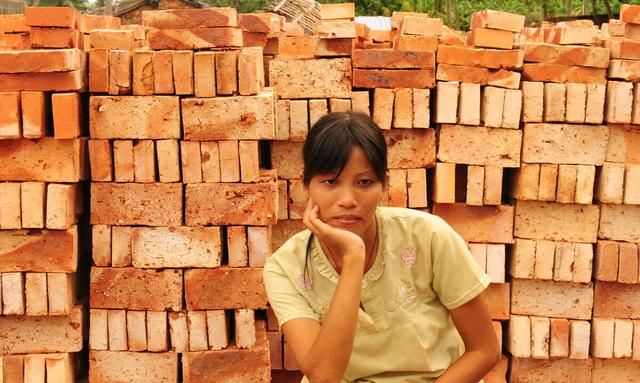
column 397, row 188
column 250, row 71
column 635, row 113
column 582, row 266
column 417, row 188
column 496, row 297
column 87, row 23
column 555, row 100
column 493, row 185
column 317, row 109
column 602, row 338
column 111, row 39
column 551, row 299
column 13, row 366
column 45, row 334
column 175, row 247
column 579, row 339
column 135, row 117
column 492, row 106
column 138, row 367
column 616, row 300
column 297, row 199
column 512, row 109
column 493, row 224
column 286, row 156
column 421, row 116
column 617, row 222
column 296, row 47
column 117, row 328
column 485, row 58
column 244, row 117
column 360, row 103
column 479, row 253
column 397, row 78
column 167, row 153
column 136, row 204
column 383, row 101
column 333, row 47
column 447, row 94
column 548, row 182
column 157, row 331
column 35, row 110
column 505, row 151
column 41, row 60
column 143, row 76
column 229, row 161
column 475, row 186
column 191, row 161
column 416, row 43
column 606, row 261
column 144, row 161
column 191, row 18
column 249, row 161
column 497, row 20
column 61, row 17
column 628, row 263
column 123, row 161
column 519, row 336
column 136, row 331
column 524, row 370
column 392, row 59
column 62, row 38
column 259, row 22
column 631, row 190
column 299, row 119
column 62, row 204
column 567, row 177
column 483, row 76
column 577, row 144
column 564, row 261
column 121, row 246
column 245, row 328
column 217, row 329
column 594, row 113
column 67, row 115
column 136, row 289
column 337, row 11
column 197, row 324
column 409, row 149
column 420, row 25
column 321, row 78
column 32, row 204
column 624, row 144
column 523, row 258
column 98, row 330
column 623, row 338
column 335, row 29
column 283, row 200
column 585, row 180
column 545, row 259
column 35, row 288
column 120, row 72
column 101, row 245
column 60, row 367
column 179, row 331
column 237, row 246
column 227, row 72
column 54, row 81
column 496, row 263
column 636, row 340
column 619, row 102
column 571, row 35
column 162, row 66
column 99, row 71
column 204, row 74
column 595, row 57
column 490, row 38
column 344, row 105
column 194, row 38
column 564, row 73
column 13, row 301
column 403, row 108
column 560, row 222
column 540, row 334
column 10, row 117
column 624, row 70
column 615, row 370
column 533, row 101
column 207, row 289
column 624, row 49
column 525, row 182
column 558, row 338
column 45, row 159
column 576, row 102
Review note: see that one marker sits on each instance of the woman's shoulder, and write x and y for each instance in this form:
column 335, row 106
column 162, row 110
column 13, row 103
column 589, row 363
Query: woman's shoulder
column 413, row 218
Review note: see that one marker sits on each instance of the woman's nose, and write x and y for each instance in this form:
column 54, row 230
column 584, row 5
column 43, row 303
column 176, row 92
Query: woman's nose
column 347, row 198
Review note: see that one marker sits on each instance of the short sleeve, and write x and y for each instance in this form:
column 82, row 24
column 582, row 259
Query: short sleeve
column 285, row 300
column 457, row 277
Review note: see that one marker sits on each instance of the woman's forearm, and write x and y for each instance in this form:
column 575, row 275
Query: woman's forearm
column 471, row 367
column 329, row 355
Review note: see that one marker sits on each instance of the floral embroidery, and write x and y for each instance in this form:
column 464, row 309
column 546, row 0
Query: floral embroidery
column 409, row 256
column 406, row 293
column 304, row 282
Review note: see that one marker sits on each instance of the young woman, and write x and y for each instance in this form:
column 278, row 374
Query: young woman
column 375, row 294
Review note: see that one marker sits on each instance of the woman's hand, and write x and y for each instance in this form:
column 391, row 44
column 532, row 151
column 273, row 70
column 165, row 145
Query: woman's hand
column 339, row 242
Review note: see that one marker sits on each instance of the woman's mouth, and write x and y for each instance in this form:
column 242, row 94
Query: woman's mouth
column 346, row 220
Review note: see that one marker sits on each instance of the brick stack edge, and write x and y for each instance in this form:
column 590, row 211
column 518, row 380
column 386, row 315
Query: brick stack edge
column 179, row 141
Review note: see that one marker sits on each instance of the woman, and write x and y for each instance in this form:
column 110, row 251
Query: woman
column 369, row 293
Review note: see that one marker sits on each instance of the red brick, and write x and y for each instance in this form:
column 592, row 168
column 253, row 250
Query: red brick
column 420, row 25
column 123, row 169
column 485, row 58
column 484, row 224
column 628, row 263
column 616, row 300
column 204, row 74
column 91, row 22
column 605, row 267
column 333, row 47
column 490, row 38
column 337, row 11
column 58, row 249
column 136, row 289
column 552, row 299
column 10, row 116
column 34, row 114
column 208, row 289
column 62, row 17
column 483, row 76
column 259, row 22
column 390, row 58
column 258, row 198
column 14, row 23
column 46, row 159
column 297, row 47
column 45, row 60
column 595, row 57
column 416, row 43
column 554, row 221
column 496, row 296
column 67, row 116
column 397, row 78
column 286, row 157
column 183, row 72
column 190, row 18
column 623, row 144
column 615, row 370
column 138, row 367
column 410, row 149
column 53, row 81
column 564, row 73
column 625, row 49
column 564, row 143
column 195, row 38
column 335, row 29
column 497, row 20
column 99, row 71
column 547, row 370
column 54, row 38
column 321, row 78
column 250, row 71
column 143, row 73
column 120, row 72
column 504, row 152
column 111, row 39
column 618, row 222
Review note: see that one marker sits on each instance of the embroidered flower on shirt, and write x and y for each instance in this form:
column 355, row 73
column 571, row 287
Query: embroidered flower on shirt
column 406, row 293
column 409, row 256
column 304, row 282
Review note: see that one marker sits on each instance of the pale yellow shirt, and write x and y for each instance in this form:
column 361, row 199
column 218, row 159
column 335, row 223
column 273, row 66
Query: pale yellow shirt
column 404, row 334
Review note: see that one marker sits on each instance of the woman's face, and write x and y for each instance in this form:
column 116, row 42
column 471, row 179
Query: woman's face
column 348, row 201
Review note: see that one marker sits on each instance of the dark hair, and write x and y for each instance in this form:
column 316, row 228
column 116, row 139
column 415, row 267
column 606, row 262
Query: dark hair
column 329, row 145
column 332, row 138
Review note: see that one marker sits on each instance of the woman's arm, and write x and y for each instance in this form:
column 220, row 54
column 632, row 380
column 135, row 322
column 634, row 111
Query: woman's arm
column 473, row 322
column 323, row 352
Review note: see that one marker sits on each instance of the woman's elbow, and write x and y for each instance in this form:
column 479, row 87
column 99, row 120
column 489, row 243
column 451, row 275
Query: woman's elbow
column 322, row 374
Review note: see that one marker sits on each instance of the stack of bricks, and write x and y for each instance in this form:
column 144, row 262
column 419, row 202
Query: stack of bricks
column 180, row 208
column 41, row 196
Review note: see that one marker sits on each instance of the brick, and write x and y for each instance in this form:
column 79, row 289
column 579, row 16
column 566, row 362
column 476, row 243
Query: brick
column 563, row 73
column 512, row 109
column 624, row 49
column 392, row 59
column 190, row 18
column 344, row 105
column 540, row 337
column 259, row 22
column 61, row 206
column 111, row 39
column 249, row 161
column 577, row 144
column 207, row 289
column 483, row 76
column 333, row 47
column 197, row 326
column 543, row 370
column 138, row 367
column 123, row 161
column 360, row 103
column 594, row 113
column 101, row 160
column 286, row 156
column 10, row 122
column 241, row 198
column 525, row 183
column 13, row 294
column 87, row 23
column 176, row 247
column 582, row 266
column 62, row 38
column 585, row 180
column 403, row 108
column 576, row 102
column 615, row 370
column 605, row 265
column 194, row 38
column 244, row 117
column 484, row 58
column 245, row 328
column 98, row 330
column 54, row 81
column 143, row 77
column 275, row 347
column 229, row 161
column 602, row 338
column 523, row 259
column 496, row 263
column 250, row 71
column 10, row 206
column 14, row 23
column 120, row 72
column 421, row 115
column 204, row 74
column 227, row 72
column 555, row 99
column 492, row 106
column 519, row 336
column 410, row 149
column 571, row 55
column 624, row 70
column 13, row 366
column 553, row 221
column 101, row 245
column 479, row 253
column 35, row 289
column 335, row 29
column 558, row 338
column 397, row 188
column 144, row 161
column 121, row 246
column 551, row 299
column 297, row 199
column 579, row 339
column 564, row 261
column 635, row 112
column 296, row 47
column 157, row 331
column 61, row 17
column 397, row 78
column 136, row 204
column 34, row 368
column 533, row 101
column 548, row 182
column 496, row 297
column 317, row 109
column 493, row 185
column 492, row 224
column 35, row 110
column 475, row 186
column 283, row 199
column 628, row 263
column 383, row 101
column 337, row 11
column 497, row 20
column 45, row 334
column 490, row 38
column 162, row 66
column 623, row 144
column 631, row 190
column 619, row 102
column 420, row 25
column 299, row 119
column 136, row 331
column 237, row 246
column 617, row 222
column 567, row 177
column 167, row 152
column 416, row 43
column 217, row 329
column 623, row 338
column 636, row 340
column 300, row 79
column 505, row 151
column 417, row 188
column 630, row 14
column 32, row 204
column 447, row 94
column 191, row 161
column 117, row 328
column 99, row 70
column 571, row 35
column 67, row 115
column 41, row 60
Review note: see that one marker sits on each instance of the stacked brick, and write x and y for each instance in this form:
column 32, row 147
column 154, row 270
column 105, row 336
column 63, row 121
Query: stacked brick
column 180, row 208
column 41, row 195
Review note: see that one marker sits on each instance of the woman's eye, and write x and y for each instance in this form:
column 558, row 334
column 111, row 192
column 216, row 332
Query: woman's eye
column 366, row 182
column 330, row 181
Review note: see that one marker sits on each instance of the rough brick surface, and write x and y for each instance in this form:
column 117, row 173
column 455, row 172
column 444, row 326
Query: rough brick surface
column 556, row 221
column 485, row 224
column 190, row 18
column 136, row 367
column 321, row 78
column 46, row 159
column 175, row 247
column 564, row 144
column 208, row 289
column 57, row 250
column 504, row 151
column 551, row 299
column 194, row 38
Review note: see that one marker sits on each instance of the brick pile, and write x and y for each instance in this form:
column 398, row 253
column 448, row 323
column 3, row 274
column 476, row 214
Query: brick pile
column 42, row 320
